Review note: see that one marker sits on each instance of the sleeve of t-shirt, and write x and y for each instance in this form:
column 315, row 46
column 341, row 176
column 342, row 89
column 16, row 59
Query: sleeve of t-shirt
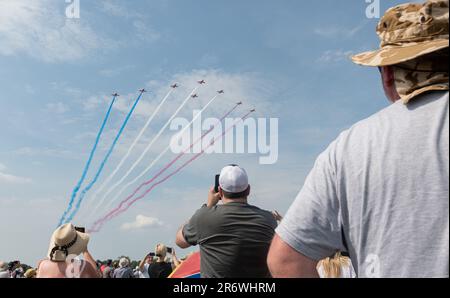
column 312, row 225
column 191, row 231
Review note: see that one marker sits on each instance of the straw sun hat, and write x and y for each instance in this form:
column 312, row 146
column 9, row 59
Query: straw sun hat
column 65, row 241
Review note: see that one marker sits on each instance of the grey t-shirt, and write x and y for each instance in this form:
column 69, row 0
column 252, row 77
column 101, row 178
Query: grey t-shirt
column 234, row 240
column 382, row 188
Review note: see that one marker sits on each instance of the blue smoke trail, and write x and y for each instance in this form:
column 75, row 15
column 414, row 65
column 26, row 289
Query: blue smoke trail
column 86, row 167
column 108, row 154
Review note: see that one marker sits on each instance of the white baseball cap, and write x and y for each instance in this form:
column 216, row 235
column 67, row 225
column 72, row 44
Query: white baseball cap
column 233, row 179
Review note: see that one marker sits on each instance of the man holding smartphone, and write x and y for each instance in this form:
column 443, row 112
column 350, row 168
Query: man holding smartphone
column 234, row 237
column 145, row 264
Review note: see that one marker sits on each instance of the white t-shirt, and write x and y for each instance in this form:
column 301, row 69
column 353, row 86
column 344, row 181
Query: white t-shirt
column 380, row 191
column 144, row 272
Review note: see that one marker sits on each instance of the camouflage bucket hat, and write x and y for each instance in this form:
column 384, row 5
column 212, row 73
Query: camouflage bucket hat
column 409, row 31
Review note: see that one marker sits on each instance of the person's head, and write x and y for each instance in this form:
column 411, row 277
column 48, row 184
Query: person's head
column 332, row 267
column 124, row 262
column 3, row 266
column 160, row 252
column 30, row 273
column 149, row 259
column 67, row 241
column 413, row 58
column 109, row 263
column 233, row 183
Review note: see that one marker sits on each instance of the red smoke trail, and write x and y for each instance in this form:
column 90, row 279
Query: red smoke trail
column 172, row 162
column 115, row 212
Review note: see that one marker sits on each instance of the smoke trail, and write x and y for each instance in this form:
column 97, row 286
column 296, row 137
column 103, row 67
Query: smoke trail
column 130, row 149
column 102, row 165
column 157, row 159
column 88, row 163
column 146, row 150
column 165, row 167
column 115, row 212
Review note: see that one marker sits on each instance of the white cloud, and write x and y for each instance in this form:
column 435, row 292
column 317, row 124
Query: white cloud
column 45, row 152
column 339, row 32
column 93, row 102
column 142, row 222
column 40, row 29
column 144, row 32
column 111, row 72
column 57, row 108
column 335, row 56
column 113, row 8
column 11, row 179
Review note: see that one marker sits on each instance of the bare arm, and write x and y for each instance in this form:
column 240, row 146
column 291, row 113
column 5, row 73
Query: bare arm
column 175, row 261
column 92, row 272
column 286, row 262
column 180, row 241
column 142, row 263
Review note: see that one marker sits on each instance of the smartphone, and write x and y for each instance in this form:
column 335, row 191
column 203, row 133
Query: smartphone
column 216, row 184
column 170, row 250
column 80, row 229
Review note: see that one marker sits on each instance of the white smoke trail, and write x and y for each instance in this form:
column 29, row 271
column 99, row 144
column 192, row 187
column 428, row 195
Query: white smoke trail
column 149, row 146
column 156, row 159
column 130, row 149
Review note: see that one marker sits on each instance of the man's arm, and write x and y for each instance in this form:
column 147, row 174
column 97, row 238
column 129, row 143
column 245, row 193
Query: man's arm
column 286, row 262
column 191, row 226
column 180, row 241
column 175, row 261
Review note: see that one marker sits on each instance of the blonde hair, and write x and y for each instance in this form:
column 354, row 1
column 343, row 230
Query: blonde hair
column 332, row 267
column 160, row 252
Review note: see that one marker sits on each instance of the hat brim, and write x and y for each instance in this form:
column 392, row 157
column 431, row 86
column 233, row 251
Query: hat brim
column 391, row 55
column 79, row 247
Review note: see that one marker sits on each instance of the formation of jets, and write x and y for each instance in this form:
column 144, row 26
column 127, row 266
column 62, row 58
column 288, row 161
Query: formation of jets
column 174, row 86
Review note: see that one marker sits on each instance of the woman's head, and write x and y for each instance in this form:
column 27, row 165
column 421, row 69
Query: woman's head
column 332, row 267
column 160, row 252
column 65, row 241
column 3, row 266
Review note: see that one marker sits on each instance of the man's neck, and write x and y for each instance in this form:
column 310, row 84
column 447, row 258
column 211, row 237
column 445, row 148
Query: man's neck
column 240, row 200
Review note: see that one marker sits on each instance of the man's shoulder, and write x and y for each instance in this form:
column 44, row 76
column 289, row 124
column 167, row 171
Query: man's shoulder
column 382, row 123
column 262, row 211
column 396, row 111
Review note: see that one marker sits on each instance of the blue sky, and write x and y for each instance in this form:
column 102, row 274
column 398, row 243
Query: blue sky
column 289, row 59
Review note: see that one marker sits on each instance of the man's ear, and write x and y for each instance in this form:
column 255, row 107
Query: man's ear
column 220, row 192
column 248, row 190
column 388, row 76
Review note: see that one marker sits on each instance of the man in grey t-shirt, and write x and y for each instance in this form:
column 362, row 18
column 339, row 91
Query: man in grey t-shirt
column 380, row 190
column 234, row 237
